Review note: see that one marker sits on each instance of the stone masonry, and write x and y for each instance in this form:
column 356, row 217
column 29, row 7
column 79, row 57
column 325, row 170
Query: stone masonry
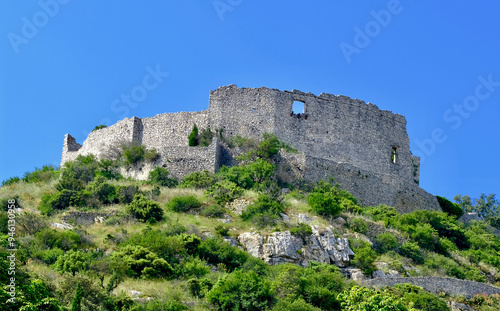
column 364, row 148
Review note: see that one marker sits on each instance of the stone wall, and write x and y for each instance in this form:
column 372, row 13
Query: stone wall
column 335, row 135
column 438, row 284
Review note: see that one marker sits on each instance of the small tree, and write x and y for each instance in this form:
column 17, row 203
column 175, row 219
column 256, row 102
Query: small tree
column 160, row 177
column 77, row 301
column 144, row 209
column 193, row 137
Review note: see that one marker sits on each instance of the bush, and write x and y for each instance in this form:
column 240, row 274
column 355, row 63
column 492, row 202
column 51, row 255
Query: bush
column 144, row 209
column 170, row 248
column 64, row 240
column 362, row 298
column 265, row 211
column 198, row 180
column 294, row 305
column 359, row 225
column 205, row 138
column 98, row 127
column 221, row 230
column 10, row 181
column 194, row 267
column 60, row 200
column 101, row 190
column 73, row 261
column 449, row 207
column 49, row 256
column 241, row 291
column 302, row 231
column 212, row 211
column 46, row 173
column 217, row 251
column 385, row 242
column 4, row 203
column 151, row 155
column 193, row 136
column 160, row 177
column 421, row 299
column 182, row 204
column 133, row 153
column 325, row 200
column 138, row 261
column 412, row 251
column 364, row 256
column 224, row 191
column 125, row 194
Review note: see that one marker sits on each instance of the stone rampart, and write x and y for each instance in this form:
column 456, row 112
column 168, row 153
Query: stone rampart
column 364, row 148
column 437, row 284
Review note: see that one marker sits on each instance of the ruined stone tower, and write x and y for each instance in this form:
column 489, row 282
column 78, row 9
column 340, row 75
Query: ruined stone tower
column 365, row 149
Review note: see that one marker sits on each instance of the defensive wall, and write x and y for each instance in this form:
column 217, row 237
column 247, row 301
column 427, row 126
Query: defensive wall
column 438, row 284
column 364, row 148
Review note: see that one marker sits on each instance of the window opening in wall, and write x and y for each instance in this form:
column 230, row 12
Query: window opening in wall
column 394, row 154
column 297, row 107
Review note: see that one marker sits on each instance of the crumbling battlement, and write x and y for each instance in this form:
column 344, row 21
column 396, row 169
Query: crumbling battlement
column 335, row 135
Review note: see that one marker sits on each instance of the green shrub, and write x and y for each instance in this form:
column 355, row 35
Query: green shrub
column 206, row 137
column 49, row 256
column 217, row 251
column 151, row 155
column 364, row 256
column 444, row 264
column 325, row 200
column 145, row 209
column 241, row 291
column 212, row 211
column 182, row 204
column 101, row 190
column 449, row 207
column 421, row 299
column 98, row 127
column 125, row 194
column 361, row 298
column 302, row 231
column 108, row 169
column 264, row 212
column 198, row 180
column 60, row 200
column 10, row 181
column 224, row 191
column 133, row 153
column 385, row 242
column 412, row 250
column 358, row 224
column 4, row 203
column 46, row 173
column 199, row 287
column 64, row 240
column 193, row 136
column 294, row 305
column 77, row 173
column 167, row 247
column 221, row 230
column 138, row 261
column 159, row 176
column 73, row 261
column 349, row 206
column 194, row 267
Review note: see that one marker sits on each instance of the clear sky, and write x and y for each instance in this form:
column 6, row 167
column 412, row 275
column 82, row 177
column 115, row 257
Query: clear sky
column 67, row 66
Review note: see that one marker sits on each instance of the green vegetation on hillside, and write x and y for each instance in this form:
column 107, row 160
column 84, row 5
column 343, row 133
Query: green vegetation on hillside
column 163, row 239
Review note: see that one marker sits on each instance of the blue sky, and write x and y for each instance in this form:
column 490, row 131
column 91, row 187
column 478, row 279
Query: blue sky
column 65, row 65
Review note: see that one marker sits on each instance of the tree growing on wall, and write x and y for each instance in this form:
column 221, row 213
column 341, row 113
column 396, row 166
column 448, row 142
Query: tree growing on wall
column 193, row 137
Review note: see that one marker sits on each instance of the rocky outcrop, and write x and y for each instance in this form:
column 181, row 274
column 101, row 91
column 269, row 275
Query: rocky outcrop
column 283, row 247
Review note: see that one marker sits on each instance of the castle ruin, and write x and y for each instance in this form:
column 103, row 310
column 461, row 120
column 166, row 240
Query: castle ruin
column 365, row 149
